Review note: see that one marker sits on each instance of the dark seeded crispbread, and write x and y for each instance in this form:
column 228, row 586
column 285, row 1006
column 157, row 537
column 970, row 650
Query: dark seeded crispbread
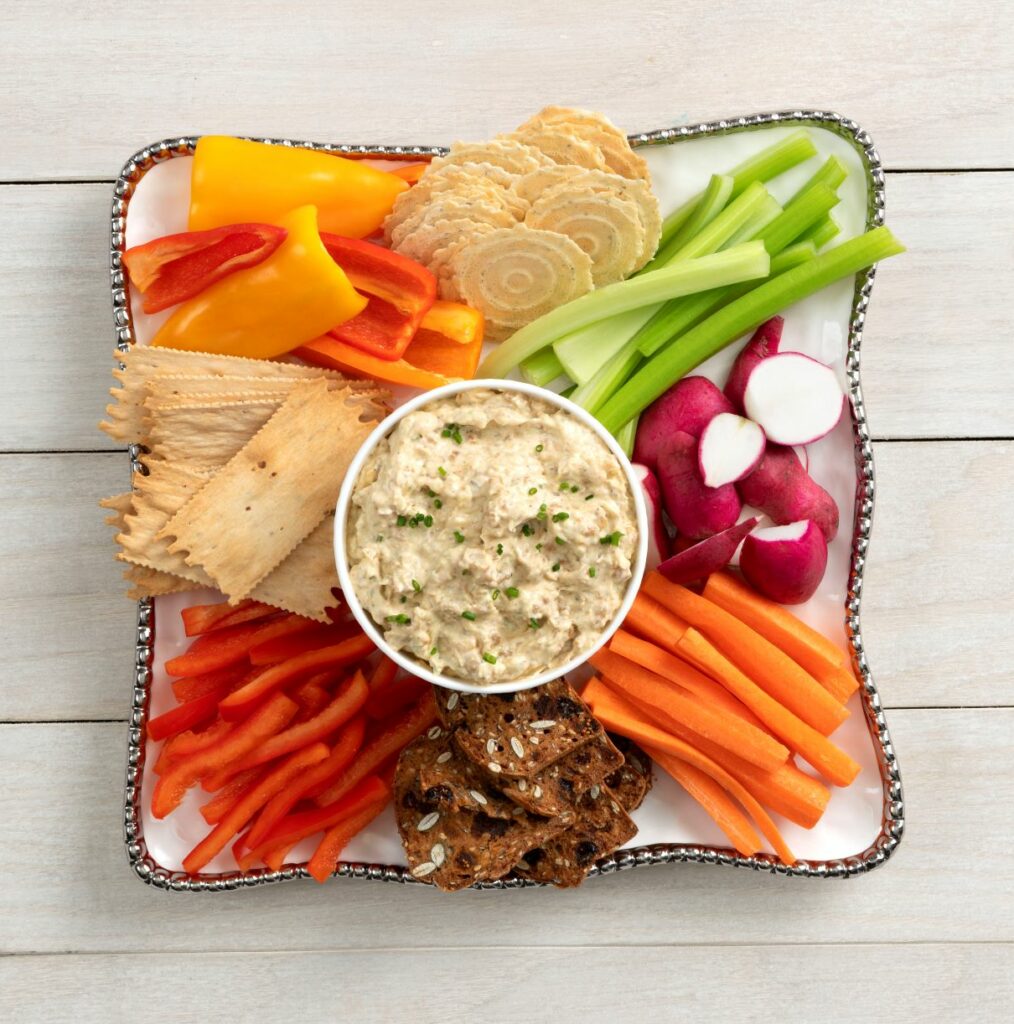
column 602, row 827
column 632, row 780
column 454, row 848
column 519, row 734
column 557, row 789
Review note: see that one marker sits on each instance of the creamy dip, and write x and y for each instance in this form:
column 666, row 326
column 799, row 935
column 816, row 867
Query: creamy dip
column 490, row 535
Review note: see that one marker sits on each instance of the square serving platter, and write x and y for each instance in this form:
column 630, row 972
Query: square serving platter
column 878, row 790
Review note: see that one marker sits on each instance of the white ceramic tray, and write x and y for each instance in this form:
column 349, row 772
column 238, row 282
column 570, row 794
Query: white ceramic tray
column 862, row 824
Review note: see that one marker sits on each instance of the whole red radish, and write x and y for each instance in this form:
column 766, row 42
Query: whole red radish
column 781, row 488
column 764, row 343
column 697, row 511
column 658, row 539
column 688, row 406
column 785, row 563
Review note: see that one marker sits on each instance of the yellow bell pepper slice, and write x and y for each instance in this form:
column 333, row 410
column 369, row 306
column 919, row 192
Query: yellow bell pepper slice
column 294, row 296
column 235, row 181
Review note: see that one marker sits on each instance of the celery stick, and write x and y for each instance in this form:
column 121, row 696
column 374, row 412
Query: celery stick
column 625, row 436
column 583, row 352
column 822, row 232
column 803, row 210
column 609, row 378
column 694, row 275
column 763, row 166
column 745, row 313
column 770, row 209
column 542, row 368
column 711, row 203
column 832, row 172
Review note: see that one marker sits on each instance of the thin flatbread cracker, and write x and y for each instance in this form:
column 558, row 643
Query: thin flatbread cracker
column 273, row 493
column 152, row 583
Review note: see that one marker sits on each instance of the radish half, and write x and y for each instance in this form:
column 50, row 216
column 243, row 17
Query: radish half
column 762, row 345
column 730, row 447
column 658, row 539
column 696, row 511
column 794, row 398
column 688, row 406
column 706, row 557
column 785, row 563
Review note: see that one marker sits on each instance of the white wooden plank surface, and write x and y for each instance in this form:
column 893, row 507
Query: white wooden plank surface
column 760, row 984
column 937, row 607
column 930, row 80
column 929, row 307
column 65, row 885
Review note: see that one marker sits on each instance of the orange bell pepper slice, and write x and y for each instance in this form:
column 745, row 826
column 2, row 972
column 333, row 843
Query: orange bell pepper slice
column 234, row 180
column 455, row 321
column 337, row 355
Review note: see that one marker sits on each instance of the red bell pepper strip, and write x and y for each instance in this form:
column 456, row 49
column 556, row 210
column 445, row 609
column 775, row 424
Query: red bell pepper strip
column 298, row 826
column 383, row 674
column 312, row 697
column 320, row 776
column 237, row 743
column 186, row 743
column 284, row 647
column 400, row 292
column 171, row 269
column 324, row 862
column 221, row 803
column 349, row 699
column 250, row 803
column 238, row 704
column 389, row 741
column 394, row 698
column 185, row 716
column 219, row 681
column 229, row 646
column 203, row 618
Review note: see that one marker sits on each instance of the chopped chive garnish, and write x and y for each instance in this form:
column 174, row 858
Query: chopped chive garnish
column 437, row 503
column 574, row 489
column 459, row 537
column 402, row 520
column 564, row 486
column 592, row 571
column 611, row 538
column 404, row 599
column 499, row 549
column 453, row 431
column 539, row 447
column 512, row 592
column 490, row 659
column 533, row 490
column 468, row 615
column 430, row 493
column 416, row 586
column 433, row 651
column 538, row 547
column 559, row 517
column 402, row 620
column 441, row 471
column 534, row 624
column 560, row 540
column 588, row 497
column 556, row 567
column 526, row 529
column 427, row 521
column 543, row 512
column 496, row 593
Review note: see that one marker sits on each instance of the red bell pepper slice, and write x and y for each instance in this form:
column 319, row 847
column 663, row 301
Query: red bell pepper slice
column 226, row 647
column 238, row 742
column 171, row 269
column 284, row 647
column 186, row 743
column 185, row 716
column 393, row 736
column 324, row 862
column 319, row 777
column 349, row 699
column 298, row 826
column 400, row 292
column 219, row 681
column 240, row 702
column 394, row 698
column 222, row 802
column 203, row 618
column 383, row 674
column 251, row 802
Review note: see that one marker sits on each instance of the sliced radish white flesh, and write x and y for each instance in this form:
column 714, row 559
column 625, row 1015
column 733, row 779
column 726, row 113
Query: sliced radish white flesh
column 658, row 539
column 706, row 557
column 803, row 455
column 794, row 398
column 785, row 563
column 730, row 447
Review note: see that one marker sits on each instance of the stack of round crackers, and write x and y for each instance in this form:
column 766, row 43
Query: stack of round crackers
column 532, row 219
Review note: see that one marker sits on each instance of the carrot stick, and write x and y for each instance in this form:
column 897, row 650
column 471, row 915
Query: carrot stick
column 814, row 651
column 217, row 808
column 680, row 706
column 324, row 862
column 678, row 671
column 768, row 666
column 619, row 716
column 311, row 782
column 787, row 790
column 833, row 763
column 249, row 804
column 840, row 682
column 715, row 801
column 653, row 622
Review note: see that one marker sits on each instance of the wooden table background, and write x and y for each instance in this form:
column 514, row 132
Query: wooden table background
column 926, row 938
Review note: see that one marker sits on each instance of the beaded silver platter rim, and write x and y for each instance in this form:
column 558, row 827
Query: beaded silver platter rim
column 893, row 817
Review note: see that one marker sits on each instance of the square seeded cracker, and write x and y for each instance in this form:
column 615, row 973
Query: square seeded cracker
column 519, row 734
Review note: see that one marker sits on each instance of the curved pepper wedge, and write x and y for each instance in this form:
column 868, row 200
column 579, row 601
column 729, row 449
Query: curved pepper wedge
column 235, row 180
